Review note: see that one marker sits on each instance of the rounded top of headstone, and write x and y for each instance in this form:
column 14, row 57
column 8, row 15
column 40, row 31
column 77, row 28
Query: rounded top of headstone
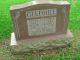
column 41, row 1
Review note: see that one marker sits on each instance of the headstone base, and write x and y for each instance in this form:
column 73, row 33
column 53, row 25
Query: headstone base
column 40, row 43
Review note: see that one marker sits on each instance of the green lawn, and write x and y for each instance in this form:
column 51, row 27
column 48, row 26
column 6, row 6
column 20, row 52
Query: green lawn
column 70, row 53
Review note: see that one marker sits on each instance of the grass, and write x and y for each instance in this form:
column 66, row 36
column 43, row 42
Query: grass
column 71, row 53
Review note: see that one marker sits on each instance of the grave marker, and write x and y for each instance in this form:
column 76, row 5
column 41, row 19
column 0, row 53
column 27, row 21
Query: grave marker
column 40, row 20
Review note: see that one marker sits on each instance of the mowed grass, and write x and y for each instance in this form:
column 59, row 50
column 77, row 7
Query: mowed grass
column 69, row 53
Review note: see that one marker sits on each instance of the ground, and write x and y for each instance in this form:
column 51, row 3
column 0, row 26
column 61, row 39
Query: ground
column 71, row 52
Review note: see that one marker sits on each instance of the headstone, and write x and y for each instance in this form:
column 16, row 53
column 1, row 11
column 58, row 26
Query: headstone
column 40, row 21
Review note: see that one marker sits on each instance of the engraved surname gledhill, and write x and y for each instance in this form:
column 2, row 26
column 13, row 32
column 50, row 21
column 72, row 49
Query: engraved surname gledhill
column 41, row 13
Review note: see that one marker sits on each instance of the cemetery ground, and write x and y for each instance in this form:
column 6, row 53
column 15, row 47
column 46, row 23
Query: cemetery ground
column 72, row 52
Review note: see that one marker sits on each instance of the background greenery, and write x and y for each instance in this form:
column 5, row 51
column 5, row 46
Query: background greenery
column 70, row 53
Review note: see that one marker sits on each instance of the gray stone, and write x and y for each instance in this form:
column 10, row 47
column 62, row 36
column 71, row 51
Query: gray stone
column 40, row 25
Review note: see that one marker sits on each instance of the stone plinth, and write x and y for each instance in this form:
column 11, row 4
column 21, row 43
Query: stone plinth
column 41, row 43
